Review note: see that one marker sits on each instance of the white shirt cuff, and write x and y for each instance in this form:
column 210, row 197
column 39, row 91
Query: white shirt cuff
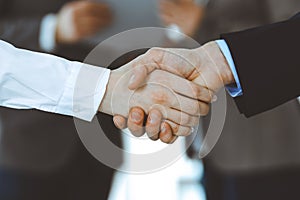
column 47, row 33
column 84, row 91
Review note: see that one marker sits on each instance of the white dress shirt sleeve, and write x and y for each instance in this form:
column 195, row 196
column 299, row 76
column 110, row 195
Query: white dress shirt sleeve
column 30, row 80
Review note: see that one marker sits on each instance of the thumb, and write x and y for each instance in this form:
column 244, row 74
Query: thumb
column 139, row 74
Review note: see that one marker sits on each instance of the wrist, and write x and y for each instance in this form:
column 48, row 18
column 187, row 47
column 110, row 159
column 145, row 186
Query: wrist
column 223, row 68
column 105, row 105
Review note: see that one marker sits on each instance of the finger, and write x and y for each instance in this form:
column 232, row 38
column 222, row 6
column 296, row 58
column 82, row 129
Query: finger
column 181, row 86
column 210, row 77
column 120, row 122
column 186, row 105
column 153, row 124
column 166, row 135
column 179, row 130
column 135, row 122
column 174, row 139
column 176, row 116
column 204, row 108
column 138, row 77
column 190, row 106
column 158, row 58
column 155, row 95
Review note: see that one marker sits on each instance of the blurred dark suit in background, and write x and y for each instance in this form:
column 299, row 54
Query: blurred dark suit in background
column 41, row 156
column 255, row 158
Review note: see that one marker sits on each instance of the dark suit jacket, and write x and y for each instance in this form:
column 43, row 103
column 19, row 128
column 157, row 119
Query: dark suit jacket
column 265, row 143
column 270, row 139
column 267, row 63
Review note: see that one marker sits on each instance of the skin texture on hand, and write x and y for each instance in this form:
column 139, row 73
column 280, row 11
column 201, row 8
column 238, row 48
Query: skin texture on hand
column 177, row 12
column 80, row 19
column 205, row 66
column 163, row 96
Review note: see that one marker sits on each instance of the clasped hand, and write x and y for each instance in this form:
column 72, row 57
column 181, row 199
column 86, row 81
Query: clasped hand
column 172, row 88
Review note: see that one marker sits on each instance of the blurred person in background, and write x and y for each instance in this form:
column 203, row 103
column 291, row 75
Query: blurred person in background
column 41, row 155
column 255, row 158
column 186, row 15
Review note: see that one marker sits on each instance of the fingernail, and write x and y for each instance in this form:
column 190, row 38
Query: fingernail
column 214, row 99
column 136, row 116
column 132, row 79
column 117, row 122
column 153, row 118
column 163, row 128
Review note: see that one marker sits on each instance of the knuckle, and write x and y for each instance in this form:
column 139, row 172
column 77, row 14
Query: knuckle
column 197, row 90
column 194, row 121
column 195, row 109
column 155, row 54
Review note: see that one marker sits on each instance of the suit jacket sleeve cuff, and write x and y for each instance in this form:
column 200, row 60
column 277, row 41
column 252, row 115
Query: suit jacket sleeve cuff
column 234, row 90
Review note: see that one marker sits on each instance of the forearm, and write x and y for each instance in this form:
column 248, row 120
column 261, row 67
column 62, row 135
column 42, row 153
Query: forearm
column 266, row 59
column 32, row 80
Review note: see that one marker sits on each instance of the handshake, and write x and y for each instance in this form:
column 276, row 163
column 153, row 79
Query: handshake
column 168, row 89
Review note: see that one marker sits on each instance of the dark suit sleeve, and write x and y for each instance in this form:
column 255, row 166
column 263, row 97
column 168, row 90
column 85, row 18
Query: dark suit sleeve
column 267, row 60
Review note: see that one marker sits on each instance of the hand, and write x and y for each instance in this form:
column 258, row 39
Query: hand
column 163, row 96
column 80, row 19
column 177, row 12
column 205, row 66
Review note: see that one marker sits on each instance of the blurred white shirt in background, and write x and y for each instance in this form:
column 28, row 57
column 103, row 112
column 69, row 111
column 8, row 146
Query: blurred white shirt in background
column 179, row 181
